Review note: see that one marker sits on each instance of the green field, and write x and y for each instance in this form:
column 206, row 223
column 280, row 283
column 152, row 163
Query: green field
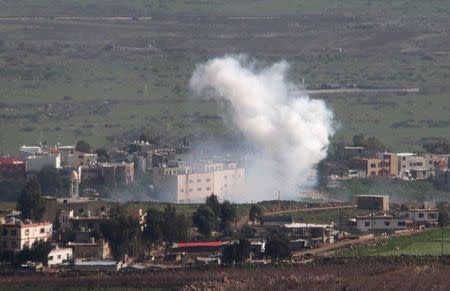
column 398, row 191
column 424, row 243
column 108, row 81
column 218, row 7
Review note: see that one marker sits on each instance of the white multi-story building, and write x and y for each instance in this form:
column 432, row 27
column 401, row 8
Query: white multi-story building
column 183, row 184
column 15, row 234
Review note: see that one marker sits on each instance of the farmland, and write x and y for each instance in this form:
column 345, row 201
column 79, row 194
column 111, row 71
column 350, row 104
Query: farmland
column 108, row 80
column 424, row 243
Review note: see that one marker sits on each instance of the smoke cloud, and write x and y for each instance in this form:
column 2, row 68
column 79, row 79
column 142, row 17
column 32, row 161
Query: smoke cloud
column 289, row 131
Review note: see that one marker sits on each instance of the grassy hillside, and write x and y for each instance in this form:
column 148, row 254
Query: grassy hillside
column 216, row 7
column 108, row 80
column 425, row 243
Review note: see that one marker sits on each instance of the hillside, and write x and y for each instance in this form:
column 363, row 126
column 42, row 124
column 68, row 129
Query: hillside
column 108, row 79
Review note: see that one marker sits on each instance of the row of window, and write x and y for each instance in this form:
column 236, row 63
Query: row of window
column 198, row 189
column 13, row 232
column 386, row 223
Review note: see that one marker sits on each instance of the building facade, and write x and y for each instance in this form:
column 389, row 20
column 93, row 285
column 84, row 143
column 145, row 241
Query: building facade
column 193, row 184
column 373, row 202
column 380, row 223
column 17, row 234
column 58, row 256
column 11, row 168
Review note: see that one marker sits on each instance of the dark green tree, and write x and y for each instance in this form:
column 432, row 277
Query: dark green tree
column 237, row 252
column 277, row 247
column 227, row 215
column 153, row 226
column 441, row 147
column 102, row 155
column 49, row 180
column 83, row 147
column 212, row 202
column 30, row 201
column 204, row 219
column 121, row 231
column 255, row 213
column 443, row 218
column 175, row 226
column 40, row 250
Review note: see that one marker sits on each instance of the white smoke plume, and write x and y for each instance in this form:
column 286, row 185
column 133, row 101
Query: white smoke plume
column 290, row 131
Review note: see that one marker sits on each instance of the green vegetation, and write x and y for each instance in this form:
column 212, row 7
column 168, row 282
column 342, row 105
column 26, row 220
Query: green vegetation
column 30, row 201
column 424, row 243
column 103, row 81
column 398, row 190
column 219, row 7
column 121, row 231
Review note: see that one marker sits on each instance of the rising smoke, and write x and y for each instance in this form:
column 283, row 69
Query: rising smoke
column 289, row 131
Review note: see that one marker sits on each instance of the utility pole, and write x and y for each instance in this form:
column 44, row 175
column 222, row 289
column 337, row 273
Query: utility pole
column 442, row 241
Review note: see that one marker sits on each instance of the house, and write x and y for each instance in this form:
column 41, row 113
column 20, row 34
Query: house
column 179, row 183
column 381, row 222
column 418, row 216
column 371, row 166
column 390, row 162
column 97, row 265
column 90, row 250
column 408, row 162
column 15, row 234
column 373, row 202
column 115, row 174
column 276, row 220
column 197, row 247
column 36, row 162
column 11, row 168
column 58, row 256
column 321, row 233
column 81, row 206
column 421, row 174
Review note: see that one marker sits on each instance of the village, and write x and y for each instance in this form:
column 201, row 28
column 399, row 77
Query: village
column 79, row 227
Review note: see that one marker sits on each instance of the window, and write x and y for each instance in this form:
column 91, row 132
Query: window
column 208, row 180
column 190, row 181
column 401, row 223
column 14, row 244
column 4, row 244
column 225, row 185
column 366, row 224
column 421, row 215
column 59, row 257
column 42, row 230
column 190, row 190
column 403, row 158
column 199, row 189
column 50, row 258
column 208, row 188
column 199, row 180
column 225, row 177
column 27, row 231
column 90, row 225
column 387, row 223
column 182, row 190
column 13, row 232
column 81, row 210
column 373, row 165
column 5, row 232
column 432, row 215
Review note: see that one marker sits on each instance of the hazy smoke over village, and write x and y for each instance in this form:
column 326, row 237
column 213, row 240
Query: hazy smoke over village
column 289, row 131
